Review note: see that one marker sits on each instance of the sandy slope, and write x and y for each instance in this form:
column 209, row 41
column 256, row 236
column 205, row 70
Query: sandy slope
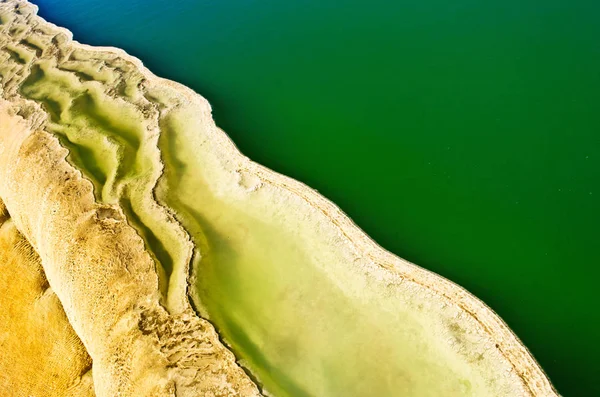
column 41, row 354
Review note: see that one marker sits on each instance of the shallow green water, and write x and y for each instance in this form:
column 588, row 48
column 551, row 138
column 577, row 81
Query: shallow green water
column 463, row 136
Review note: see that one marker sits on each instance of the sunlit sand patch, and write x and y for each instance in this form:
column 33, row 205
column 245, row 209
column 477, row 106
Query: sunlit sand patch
column 140, row 208
column 41, row 354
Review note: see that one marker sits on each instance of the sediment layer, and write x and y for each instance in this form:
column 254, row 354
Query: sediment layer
column 137, row 203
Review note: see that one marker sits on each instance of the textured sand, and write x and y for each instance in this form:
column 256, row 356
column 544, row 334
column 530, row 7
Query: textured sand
column 41, row 354
column 116, row 177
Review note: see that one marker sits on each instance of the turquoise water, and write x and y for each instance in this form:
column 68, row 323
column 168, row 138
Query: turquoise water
column 462, row 136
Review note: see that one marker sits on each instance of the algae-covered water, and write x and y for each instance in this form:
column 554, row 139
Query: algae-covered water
column 462, row 136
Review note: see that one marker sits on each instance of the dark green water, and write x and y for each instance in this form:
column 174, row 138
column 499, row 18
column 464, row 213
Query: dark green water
column 463, row 136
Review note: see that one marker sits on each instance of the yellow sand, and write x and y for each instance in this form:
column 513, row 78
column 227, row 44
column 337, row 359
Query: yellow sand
column 41, row 354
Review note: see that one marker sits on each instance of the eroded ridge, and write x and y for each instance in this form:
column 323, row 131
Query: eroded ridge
column 98, row 267
column 97, row 107
column 151, row 191
column 115, row 257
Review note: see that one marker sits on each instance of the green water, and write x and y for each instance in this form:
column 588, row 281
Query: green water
column 463, row 136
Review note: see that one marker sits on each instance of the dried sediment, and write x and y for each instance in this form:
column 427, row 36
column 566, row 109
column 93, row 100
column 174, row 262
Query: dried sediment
column 142, row 342
column 106, row 280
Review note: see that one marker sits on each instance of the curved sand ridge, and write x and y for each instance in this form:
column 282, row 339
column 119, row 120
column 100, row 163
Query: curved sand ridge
column 151, row 186
column 41, row 355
